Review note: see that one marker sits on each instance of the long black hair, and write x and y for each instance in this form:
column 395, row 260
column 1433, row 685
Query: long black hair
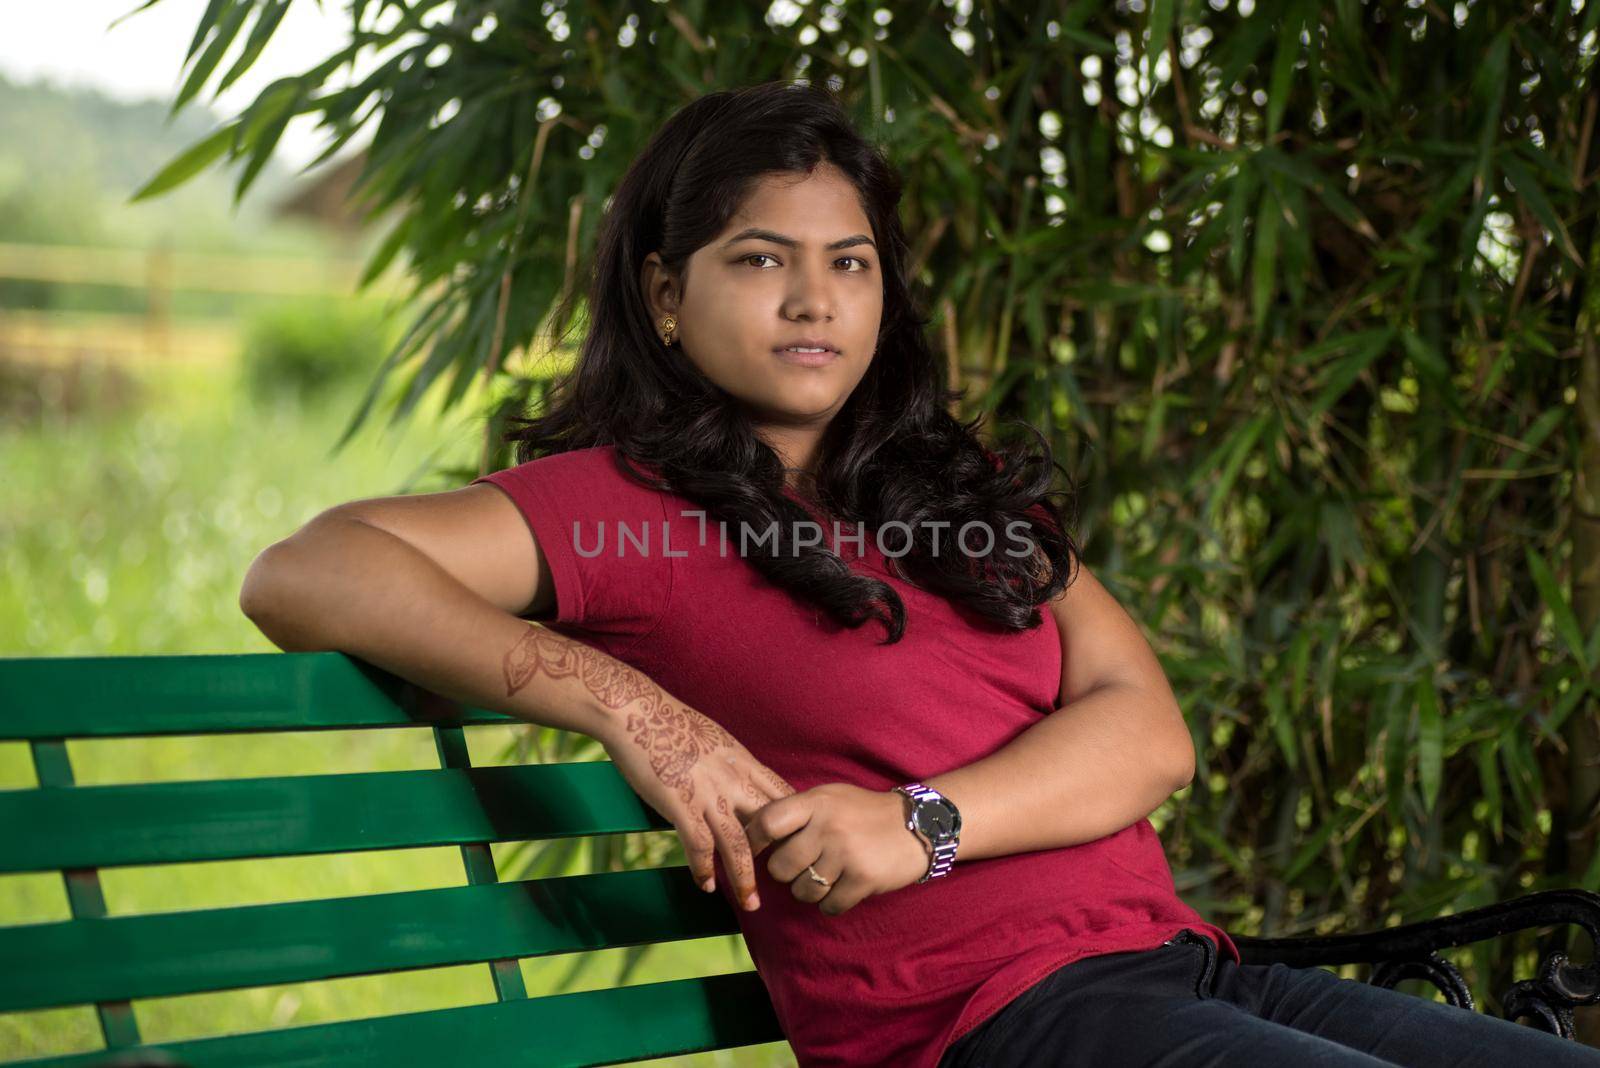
column 892, row 453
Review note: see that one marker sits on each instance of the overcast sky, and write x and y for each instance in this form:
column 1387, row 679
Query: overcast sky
column 73, row 43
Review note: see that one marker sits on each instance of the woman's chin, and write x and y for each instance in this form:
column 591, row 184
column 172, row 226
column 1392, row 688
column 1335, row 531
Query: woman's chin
column 795, row 410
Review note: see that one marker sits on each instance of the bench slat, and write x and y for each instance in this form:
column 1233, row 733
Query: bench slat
column 78, row 961
column 120, row 696
column 154, row 823
column 591, row 1027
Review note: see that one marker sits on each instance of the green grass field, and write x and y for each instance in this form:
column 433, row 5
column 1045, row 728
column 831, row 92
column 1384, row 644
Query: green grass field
column 128, row 531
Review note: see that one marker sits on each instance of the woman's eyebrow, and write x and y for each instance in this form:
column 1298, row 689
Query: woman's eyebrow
column 779, row 239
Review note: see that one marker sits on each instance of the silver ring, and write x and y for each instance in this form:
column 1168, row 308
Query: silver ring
column 817, row 878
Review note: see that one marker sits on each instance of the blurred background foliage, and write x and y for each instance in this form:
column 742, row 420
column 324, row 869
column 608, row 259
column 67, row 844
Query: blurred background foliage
column 303, row 348
column 1305, row 295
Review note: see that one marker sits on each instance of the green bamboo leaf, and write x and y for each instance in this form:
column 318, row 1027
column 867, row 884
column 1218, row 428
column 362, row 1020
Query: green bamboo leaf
column 1341, row 374
column 1091, row 41
column 1396, row 748
column 1566, row 622
column 1516, row 459
column 1320, row 185
column 1106, row 291
column 1264, row 264
column 1341, row 342
column 425, row 323
column 1154, row 424
column 262, row 124
column 1299, row 663
column 1489, row 782
column 1521, row 775
column 1033, row 317
column 393, row 242
column 266, row 22
column 1529, row 189
column 1239, row 197
column 1283, row 61
column 1547, row 59
column 1197, row 255
column 1213, row 459
column 444, row 349
column 1238, row 450
column 1082, row 414
column 1314, row 41
column 1439, row 206
column 120, row 19
column 189, row 162
column 1432, row 367
column 1221, row 847
column 208, row 20
column 1161, row 14
column 1544, row 163
column 1241, row 47
column 1576, row 694
column 228, row 28
column 1312, row 849
column 1296, row 258
column 1338, row 531
column 1003, row 384
column 1289, row 532
column 460, row 343
column 1430, row 742
column 1424, row 357
column 1282, row 728
column 1489, row 90
column 1471, row 230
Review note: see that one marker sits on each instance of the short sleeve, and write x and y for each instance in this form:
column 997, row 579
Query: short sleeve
column 602, row 534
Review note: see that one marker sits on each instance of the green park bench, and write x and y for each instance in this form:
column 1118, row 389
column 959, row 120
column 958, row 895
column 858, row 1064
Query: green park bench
column 108, row 960
column 105, row 961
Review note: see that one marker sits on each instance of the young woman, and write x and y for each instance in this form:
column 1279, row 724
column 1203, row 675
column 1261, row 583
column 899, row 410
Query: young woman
column 848, row 650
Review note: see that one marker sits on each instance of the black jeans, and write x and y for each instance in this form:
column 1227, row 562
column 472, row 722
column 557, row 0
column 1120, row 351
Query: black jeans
column 1184, row 1004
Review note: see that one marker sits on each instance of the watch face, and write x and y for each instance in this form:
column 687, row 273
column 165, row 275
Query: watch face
column 938, row 819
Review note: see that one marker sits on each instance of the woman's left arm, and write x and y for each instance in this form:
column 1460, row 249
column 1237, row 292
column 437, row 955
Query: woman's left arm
column 1114, row 749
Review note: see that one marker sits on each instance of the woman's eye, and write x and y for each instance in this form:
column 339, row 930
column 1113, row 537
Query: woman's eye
column 852, row 259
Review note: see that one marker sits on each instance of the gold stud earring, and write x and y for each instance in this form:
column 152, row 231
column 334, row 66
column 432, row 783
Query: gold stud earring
column 668, row 325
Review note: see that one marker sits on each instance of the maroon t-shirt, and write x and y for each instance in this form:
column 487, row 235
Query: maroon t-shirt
column 900, row 976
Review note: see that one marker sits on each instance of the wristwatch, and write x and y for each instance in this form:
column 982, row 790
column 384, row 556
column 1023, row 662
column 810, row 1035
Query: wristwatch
column 935, row 819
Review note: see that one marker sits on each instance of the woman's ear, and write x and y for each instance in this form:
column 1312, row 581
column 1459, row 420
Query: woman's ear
column 658, row 286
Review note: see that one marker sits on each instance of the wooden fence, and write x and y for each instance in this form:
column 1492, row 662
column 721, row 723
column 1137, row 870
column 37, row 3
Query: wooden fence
column 155, row 334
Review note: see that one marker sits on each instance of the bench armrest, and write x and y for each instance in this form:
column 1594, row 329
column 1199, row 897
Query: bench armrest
column 1411, row 950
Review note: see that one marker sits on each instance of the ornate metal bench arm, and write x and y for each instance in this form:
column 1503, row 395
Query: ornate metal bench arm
column 1411, row 951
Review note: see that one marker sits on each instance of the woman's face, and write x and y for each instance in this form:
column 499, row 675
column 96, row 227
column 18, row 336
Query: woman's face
column 811, row 274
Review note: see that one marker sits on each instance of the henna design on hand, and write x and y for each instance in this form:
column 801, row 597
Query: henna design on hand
column 610, row 680
column 776, row 782
column 733, row 829
column 673, row 737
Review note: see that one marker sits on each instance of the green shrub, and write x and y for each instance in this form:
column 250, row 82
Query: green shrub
column 306, row 347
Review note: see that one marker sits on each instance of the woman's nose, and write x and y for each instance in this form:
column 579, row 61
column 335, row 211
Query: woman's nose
column 810, row 294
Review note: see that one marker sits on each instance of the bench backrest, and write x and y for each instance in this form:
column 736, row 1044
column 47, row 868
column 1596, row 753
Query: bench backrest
column 108, row 960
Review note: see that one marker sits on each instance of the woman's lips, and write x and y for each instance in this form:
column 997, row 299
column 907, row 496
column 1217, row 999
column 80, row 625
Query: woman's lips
column 806, row 359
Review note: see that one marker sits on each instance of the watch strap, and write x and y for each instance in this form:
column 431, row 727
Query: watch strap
column 943, row 856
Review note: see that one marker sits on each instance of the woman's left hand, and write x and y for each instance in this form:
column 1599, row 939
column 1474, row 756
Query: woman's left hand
column 857, row 839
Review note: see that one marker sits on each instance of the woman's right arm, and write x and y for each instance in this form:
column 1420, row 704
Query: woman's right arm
column 429, row 587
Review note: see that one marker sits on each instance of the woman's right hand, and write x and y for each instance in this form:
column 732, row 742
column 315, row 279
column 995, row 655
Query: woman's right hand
column 698, row 777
